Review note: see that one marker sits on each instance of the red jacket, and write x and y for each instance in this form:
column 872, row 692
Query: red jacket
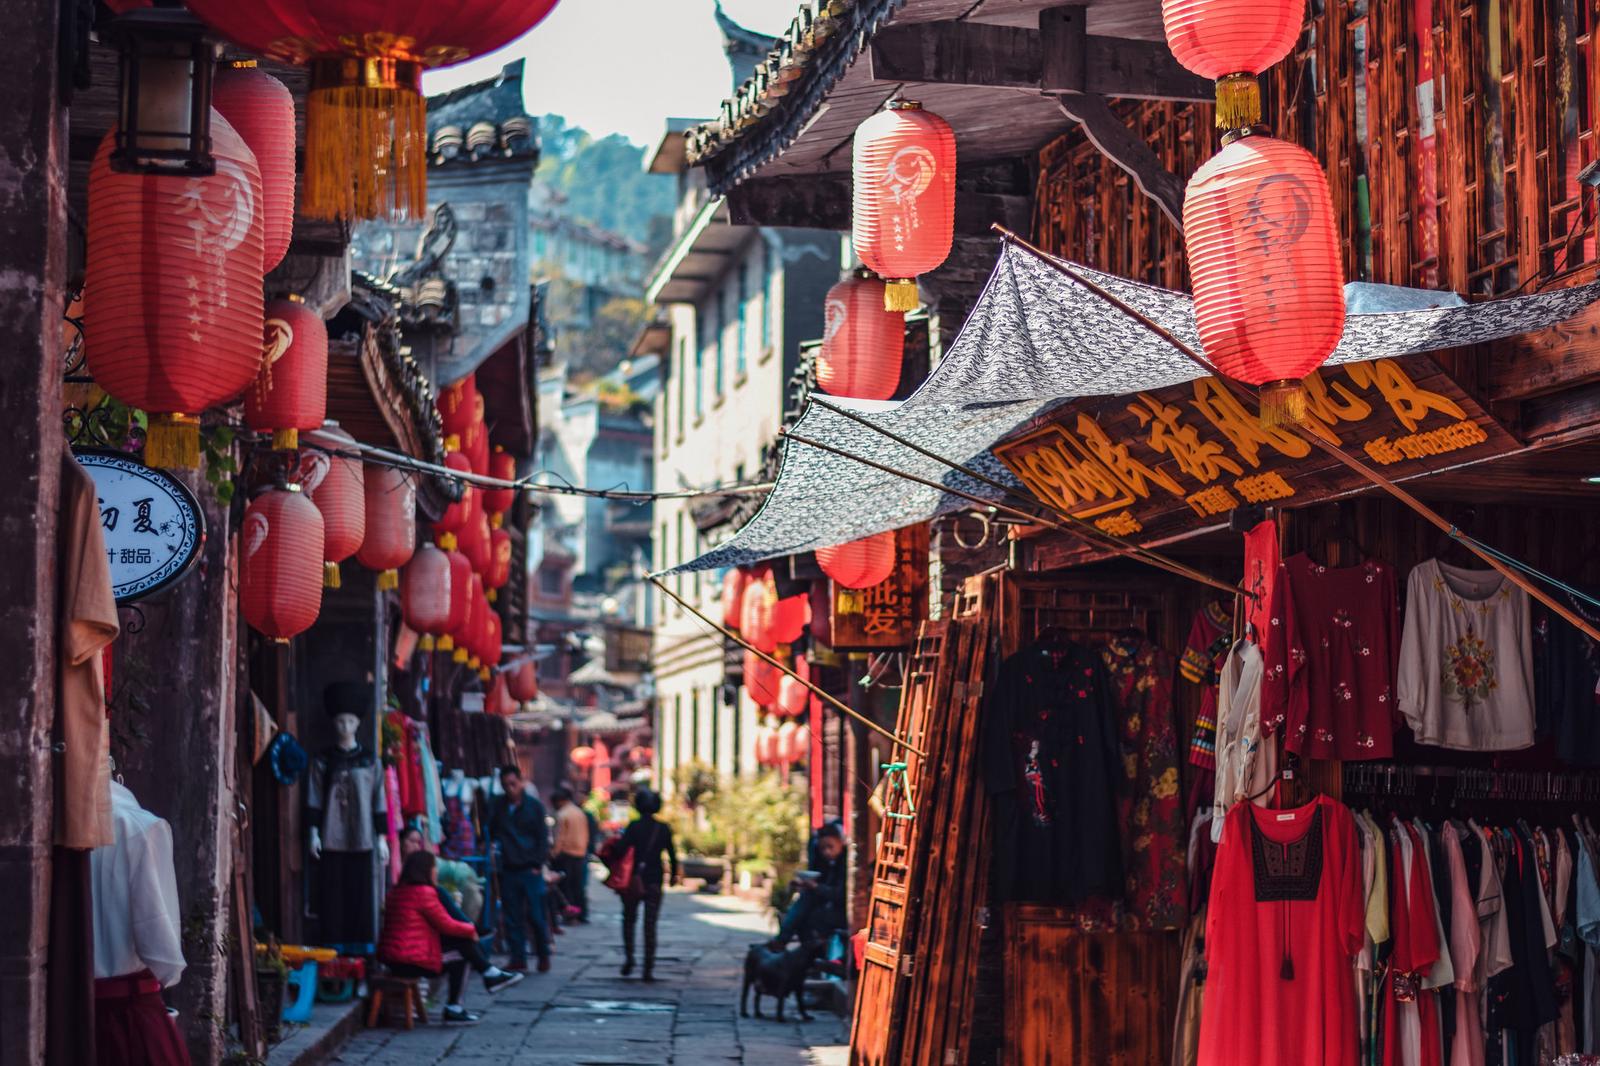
column 413, row 922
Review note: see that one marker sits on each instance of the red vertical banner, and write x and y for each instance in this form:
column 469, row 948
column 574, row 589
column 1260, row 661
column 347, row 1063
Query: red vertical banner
column 814, row 767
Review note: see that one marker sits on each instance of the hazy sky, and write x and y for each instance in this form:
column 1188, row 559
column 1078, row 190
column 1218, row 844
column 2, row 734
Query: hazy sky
column 625, row 66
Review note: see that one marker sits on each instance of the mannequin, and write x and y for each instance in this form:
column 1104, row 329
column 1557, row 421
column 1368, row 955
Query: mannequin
column 347, row 813
column 460, row 837
column 138, row 940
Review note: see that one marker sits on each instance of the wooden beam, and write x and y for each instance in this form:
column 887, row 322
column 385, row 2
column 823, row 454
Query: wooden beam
column 1059, row 57
column 824, row 202
column 1118, row 144
column 1532, row 364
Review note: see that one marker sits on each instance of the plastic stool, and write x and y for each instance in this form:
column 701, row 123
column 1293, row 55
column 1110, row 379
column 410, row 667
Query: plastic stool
column 302, row 983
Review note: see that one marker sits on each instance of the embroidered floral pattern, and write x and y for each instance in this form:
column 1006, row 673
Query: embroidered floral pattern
column 1469, row 671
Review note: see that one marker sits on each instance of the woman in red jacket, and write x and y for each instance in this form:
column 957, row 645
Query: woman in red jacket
column 414, row 922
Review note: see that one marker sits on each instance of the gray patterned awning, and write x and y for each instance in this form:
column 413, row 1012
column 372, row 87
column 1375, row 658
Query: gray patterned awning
column 1035, row 340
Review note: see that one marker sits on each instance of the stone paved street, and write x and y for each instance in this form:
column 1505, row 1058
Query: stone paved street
column 583, row 1014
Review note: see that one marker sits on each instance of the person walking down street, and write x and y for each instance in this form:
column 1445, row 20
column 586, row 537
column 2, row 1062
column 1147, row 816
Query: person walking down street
column 415, row 923
column 522, row 838
column 650, row 838
column 818, row 907
column 594, row 849
column 571, row 850
column 449, row 873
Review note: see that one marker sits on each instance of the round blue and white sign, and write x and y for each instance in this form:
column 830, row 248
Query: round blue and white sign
column 151, row 522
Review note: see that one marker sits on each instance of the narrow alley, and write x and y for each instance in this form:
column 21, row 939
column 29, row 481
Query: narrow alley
column 582, row 1013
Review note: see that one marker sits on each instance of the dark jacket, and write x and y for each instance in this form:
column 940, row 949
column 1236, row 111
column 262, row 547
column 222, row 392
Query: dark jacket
column 521, row 831
column 413, row 921
column 649, row 837
column 830, row 886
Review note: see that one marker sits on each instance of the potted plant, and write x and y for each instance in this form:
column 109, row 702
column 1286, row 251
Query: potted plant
column 272, row 976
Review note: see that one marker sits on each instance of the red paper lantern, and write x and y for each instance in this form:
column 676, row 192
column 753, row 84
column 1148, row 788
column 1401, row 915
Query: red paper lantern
column 502, row 465
column 476, row 545
column 291, row 391
column 793, row 695
column 904, row 170
column 366, row 128
column 758, row 609
column 1263, row 250
column 862, row 343
column 336, row 485
column 790, row 618
column 467, row 637
column 802, row 743
column 761, row 679
column 582, row 756
column 733, row 585
column 475, row 439
column 391, row 536
column 524, row 680
column 172, row 290
column 785, row 751
column 499, row 559
column 859, row 564
column 261, row 110
column 765, row 745
column 1230, row 42
column 280, row 575
column 456, row 514
column 494, row 637
column 457, row 403
column 425, row 598
column 460, row 605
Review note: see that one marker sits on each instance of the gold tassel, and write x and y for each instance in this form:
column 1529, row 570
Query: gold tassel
column 460, row 656
column 483, row 673
column 1284, row 403
column 330, row 575
column 1238, row 102
column 388, row 580
column 493, row 595
column 366, row 150
column 425, row 643
column 474, row 662
column 497, row 520
column 446, row 643
column 172, row 442
column 901, row 295
column 447, row 542
column 285, row 440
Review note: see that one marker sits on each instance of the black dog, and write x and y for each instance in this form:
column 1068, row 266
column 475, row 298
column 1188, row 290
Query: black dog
column 777, row 973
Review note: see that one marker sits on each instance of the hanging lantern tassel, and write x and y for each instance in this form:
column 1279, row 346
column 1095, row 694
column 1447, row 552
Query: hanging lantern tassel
column 285, row 440
column 460, row 655
column 330, row 576
column 1238, row 101
column 493, row 595
column 425, row 643
column 1283, row 403
column 366, row 139
column 172, row 442
column 901, row 295
column 388, row 580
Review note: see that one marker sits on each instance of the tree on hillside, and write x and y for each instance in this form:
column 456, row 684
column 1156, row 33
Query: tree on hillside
column 604, row 180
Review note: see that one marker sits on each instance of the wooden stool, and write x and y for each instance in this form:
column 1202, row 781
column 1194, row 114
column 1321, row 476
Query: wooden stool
column 404, row 992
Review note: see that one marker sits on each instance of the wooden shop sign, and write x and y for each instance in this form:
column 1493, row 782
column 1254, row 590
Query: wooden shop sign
column 1156, row 463
column 885, row 615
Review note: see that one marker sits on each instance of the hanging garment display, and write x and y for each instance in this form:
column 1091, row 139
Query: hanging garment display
column 1466, row 659
column 1149, row 804
column 460, row 836
column 1567, row 684
column 1050, row 752
column 1246, row 764
column 1261, row 561
column 1210, row 634
column 1285, row 923
column 1329, row 684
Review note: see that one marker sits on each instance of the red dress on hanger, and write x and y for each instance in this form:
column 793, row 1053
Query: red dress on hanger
column 1286, row 921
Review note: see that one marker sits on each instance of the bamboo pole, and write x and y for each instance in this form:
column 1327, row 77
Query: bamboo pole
column 842, row 708
column 1245, row 395
column 1084, row 530
column 1170, row 565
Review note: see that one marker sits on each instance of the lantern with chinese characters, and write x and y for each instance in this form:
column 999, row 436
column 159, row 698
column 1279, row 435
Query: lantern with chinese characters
column 860, row 564
column 1232, row 42
column 366, row 147
column 1263, row 249
column 499, row 561
column 582, row 756
column 493, row 647
column 733, row 583
column 261, row 110
column 291, row 391
column 497, row 501
column 793, row 695
column 757, row 610
column 172, row 290
column 460, row 604
column 391, row 526
column 790, row 617
column 336, row 485
column 425, row 599
column 862, row 343
column 475, row 439
column 761, row 679
column 280, row 573
column 457, row 405
column 524, row 680
column 477, row 545
column 904, row 172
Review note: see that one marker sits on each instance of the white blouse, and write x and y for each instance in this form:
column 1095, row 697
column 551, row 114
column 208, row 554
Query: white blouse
column 1466, row 659
column 1246, row 762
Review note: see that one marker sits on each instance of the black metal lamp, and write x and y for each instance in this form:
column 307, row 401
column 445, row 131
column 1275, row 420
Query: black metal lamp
column 164, row 101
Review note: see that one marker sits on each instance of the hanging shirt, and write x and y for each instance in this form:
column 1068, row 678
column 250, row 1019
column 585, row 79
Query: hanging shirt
column 1210, row 633
column 1330, row 663
column 1260, row 568
column 1246, row 764
column 1567, row 683
column 1284, row 926
column 87, row 620
column 1466, row 659
column 136, row 919
column 345, row 799
column 1051, row 760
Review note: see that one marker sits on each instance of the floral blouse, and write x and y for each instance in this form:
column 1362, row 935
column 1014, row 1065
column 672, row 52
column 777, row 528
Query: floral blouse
column 1329, row 686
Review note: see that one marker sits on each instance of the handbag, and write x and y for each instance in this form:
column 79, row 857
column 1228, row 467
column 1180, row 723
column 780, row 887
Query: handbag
column 621, row 866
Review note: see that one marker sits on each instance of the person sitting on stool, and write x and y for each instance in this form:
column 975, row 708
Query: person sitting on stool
column 818, row 907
